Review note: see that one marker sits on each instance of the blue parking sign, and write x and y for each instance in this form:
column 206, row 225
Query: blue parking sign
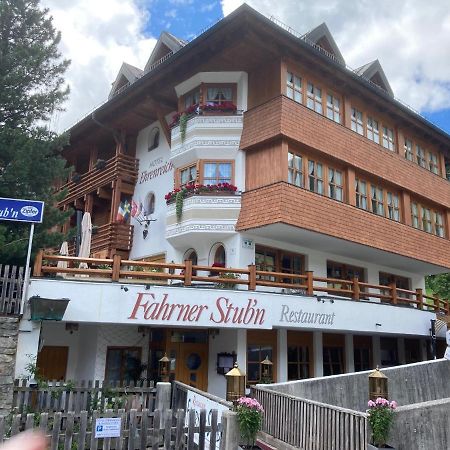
column 18, row 210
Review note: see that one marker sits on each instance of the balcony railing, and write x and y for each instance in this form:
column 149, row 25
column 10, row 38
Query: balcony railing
column 122, row 167
column 111, row 236
column 187, row 274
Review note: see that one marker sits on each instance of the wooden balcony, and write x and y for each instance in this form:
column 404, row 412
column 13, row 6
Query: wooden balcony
column 110, row 239
column 120, row 167
column 187, row 274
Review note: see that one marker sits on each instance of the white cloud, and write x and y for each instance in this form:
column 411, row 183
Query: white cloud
column 411, row 39
column 207, row 7
column 97, row 35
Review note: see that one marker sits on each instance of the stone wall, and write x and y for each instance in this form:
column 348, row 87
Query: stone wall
column 412, row 383
column 9, row 327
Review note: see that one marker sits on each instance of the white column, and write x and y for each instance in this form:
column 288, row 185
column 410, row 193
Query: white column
column 318, row 353
column 282, row 356
column 349, row 354
column 376, row 348
column 401, row 350
column 241, row 349
column 27, row 346
column 423, row 349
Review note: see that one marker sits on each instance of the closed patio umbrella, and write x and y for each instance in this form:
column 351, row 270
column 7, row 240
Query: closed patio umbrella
column 63, row 251
column 86, row 236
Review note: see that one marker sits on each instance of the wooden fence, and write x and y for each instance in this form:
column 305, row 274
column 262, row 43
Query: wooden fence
column 138, row 430
column 68, row 396
column 186, row 274
column 11, row 286
column 311, row 425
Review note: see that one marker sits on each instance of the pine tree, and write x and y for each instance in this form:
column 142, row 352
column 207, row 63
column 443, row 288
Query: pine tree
column 31, row 90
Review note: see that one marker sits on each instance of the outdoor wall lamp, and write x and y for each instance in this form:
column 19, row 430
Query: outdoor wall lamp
column 235, row 384
column 124, row 288
column 164, row 368
column 266, row 370
column 71, row 327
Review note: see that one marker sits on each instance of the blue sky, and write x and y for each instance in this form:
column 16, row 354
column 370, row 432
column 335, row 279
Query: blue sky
column 183, row 18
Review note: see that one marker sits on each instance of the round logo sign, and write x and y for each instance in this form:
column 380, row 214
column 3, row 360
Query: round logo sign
column 29, row 211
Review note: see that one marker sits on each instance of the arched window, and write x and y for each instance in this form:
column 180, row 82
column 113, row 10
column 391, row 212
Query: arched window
column 153, row 138
column 219, row 256
column 192, row 255
column 149, row 207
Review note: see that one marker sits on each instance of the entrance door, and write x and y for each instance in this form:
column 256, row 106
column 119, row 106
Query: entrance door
column 192, row 365
column 52, row 362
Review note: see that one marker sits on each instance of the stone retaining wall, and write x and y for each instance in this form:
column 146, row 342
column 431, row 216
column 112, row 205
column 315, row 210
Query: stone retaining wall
column 9, row 327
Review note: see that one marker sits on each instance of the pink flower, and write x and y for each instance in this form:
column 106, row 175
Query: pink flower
column 393, row 404
column 371, row 404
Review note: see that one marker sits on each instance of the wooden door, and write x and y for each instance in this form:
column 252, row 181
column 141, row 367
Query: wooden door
column 52, row 362
column 192, row 365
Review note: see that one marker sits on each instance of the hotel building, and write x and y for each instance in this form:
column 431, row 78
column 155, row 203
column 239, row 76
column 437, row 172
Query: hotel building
column 284, row 206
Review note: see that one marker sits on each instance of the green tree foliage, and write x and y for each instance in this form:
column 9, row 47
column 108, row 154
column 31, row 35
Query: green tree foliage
column 31, row 90
column 439, row 285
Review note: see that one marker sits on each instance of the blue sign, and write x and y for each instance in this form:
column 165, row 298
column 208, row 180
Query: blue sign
column 21, row 210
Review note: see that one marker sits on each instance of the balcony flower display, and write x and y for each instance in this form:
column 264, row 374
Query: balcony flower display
column 193, row 189
column 198, row 109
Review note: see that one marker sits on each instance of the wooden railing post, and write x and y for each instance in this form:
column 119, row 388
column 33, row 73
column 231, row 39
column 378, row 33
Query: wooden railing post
column 37, row 269
column 356, row 290
column 309, row 282
column 393, row 290
column 188, row 272
column 419, row 298
column 117, row 262
column 251, row 277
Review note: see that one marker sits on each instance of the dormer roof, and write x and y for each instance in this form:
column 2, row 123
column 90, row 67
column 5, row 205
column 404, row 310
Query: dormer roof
column 167, row 43
column 322, row 37
column 375, row 73
column 127, row 74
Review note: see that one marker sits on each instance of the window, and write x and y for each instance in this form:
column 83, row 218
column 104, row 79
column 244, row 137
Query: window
column 217, row 172
column 273, row 260
column 260, row 344
column 357, row 121
column 219, row 256
column 386, row 279
column 123, row 364
column 361, row 194
column 314, row 98
column 409, row 150
column 426, row 220
column 420, row 155
column 377, row 200
column 433, row 162
column 393, row 206
column 188, row 175
column 333, row 108
column 149, row 204
column 388, row 138
column 388, row 352
column 362, row 353
column 192, row 98
column 335, row 184
column 333, row 361
column 218, row 95
column 315, row 176
column 153, row 139
column 294, row 87
column 415, row 215
column 438, row 224
column 373, row 132
column 298, row 362
column 295, row 169
column 342, row 271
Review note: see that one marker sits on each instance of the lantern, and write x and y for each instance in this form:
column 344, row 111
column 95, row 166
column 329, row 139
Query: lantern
column 266, row 370
column 378, row 385
column 235, row 384
column 164, row 368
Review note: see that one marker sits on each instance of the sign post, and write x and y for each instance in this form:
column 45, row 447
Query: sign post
column 17, row 210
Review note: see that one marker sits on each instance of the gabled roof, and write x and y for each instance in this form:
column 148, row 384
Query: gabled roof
column 127, row 74
column 375, row 73
column 166, row 43
column 322, row 37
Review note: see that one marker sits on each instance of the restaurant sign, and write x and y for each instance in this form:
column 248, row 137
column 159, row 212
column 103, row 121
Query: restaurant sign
column 17, row 210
